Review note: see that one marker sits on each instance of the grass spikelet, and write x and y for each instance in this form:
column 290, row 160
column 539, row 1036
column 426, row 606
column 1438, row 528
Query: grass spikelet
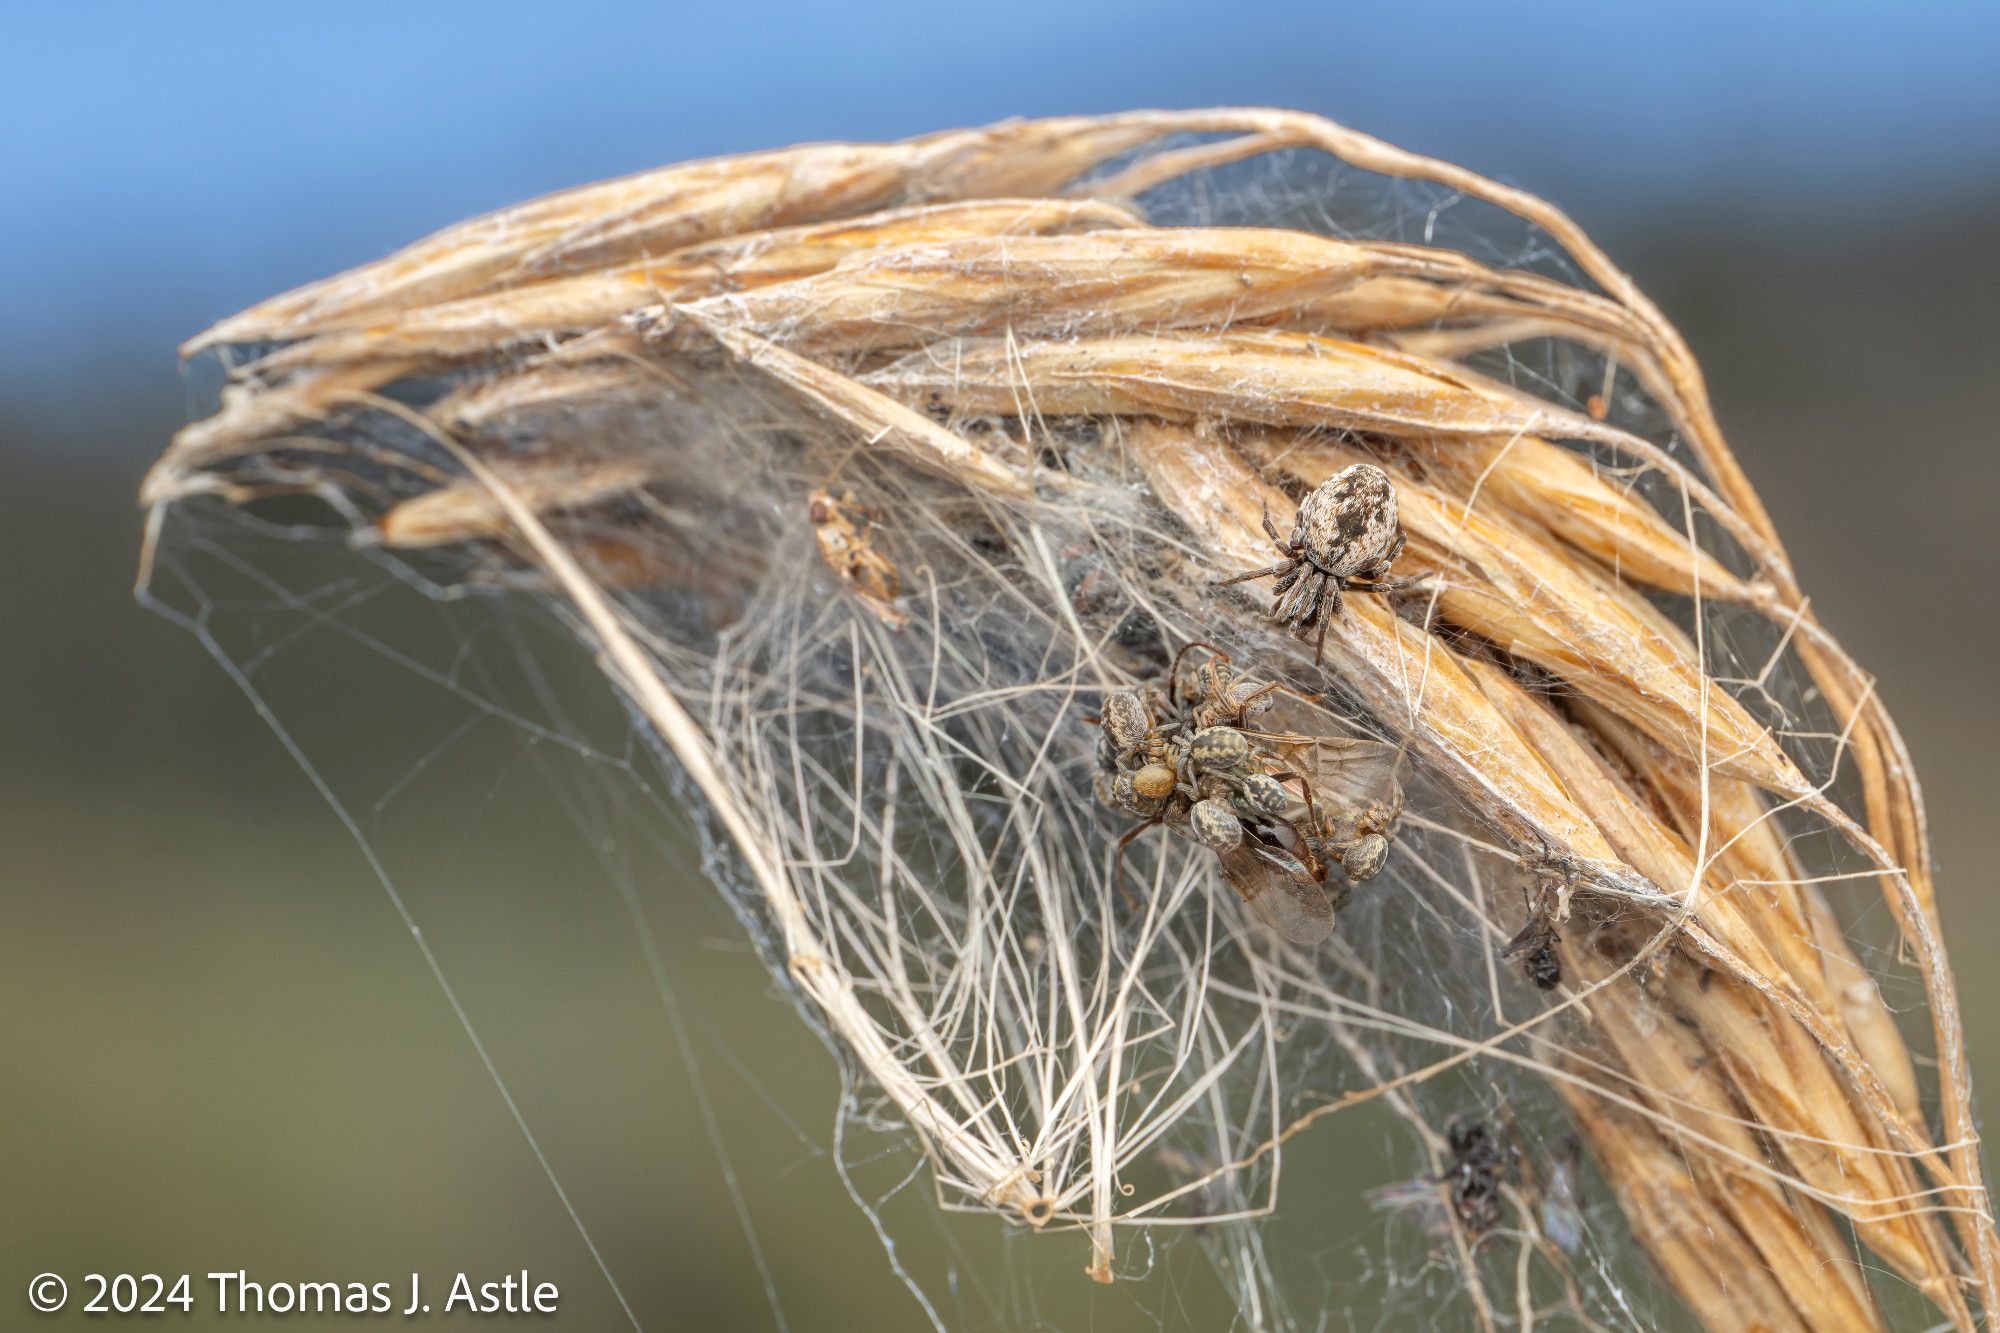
column 1056, row 415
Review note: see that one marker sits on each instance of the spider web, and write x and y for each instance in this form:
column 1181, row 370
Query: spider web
column 1036, row 1074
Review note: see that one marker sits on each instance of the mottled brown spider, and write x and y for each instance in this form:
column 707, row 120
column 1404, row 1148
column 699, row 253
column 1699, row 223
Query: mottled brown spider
column 1346, row 530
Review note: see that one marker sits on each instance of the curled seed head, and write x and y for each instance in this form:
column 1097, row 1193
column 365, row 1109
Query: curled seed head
column 1348, row 524
column 1216, row 825
column 1219, row 747
column 1262, row 796
column 1365, row 859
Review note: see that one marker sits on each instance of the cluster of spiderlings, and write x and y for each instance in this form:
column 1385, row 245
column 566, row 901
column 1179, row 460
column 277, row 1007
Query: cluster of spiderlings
column 1204, row 779
column 1180, row 753
column 1186, row 752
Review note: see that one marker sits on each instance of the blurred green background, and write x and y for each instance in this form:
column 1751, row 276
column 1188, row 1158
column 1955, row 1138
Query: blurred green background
column 223, row 1049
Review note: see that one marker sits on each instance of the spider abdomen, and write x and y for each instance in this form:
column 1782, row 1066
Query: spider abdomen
column 1125, row 721
column 1218, row 747
column 1215, row 825
column 1347, row 526
column 1262, row 796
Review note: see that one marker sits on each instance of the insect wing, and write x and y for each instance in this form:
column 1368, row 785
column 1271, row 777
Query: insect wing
column 1537, row 934
column 1562, row 1219
column 1350, row 773
column 1280, row 890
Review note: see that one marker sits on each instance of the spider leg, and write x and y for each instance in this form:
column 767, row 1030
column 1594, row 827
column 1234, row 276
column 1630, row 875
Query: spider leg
column 1251, row 574
column 1282, row 593
column 1283, row 602
column 1270, row 527
column 1243, row 704
column 1370, row 583
column 1312, row 808
column 1285, row 581
column 1285, row 605
column 1309, row 603
column 1326, row 615
column 1377, row 573
column 1174, row 672
column 1213, row 651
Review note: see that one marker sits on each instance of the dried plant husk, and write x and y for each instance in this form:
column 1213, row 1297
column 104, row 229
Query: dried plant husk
column 988, row 320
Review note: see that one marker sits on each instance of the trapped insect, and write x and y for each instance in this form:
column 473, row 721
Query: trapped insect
column 1478, row 1169
column 1354, row 784
column 1346, row 530
column 1359, row 789
column 1535, row 946
column 1352, row 789
column 1535, row 943
column 1189, row 735
column 1281, row 889
column 843, row 531
column 1183, row 753
column 1558, row 1206
column 1210, row 785
column 1471, row 1183
column 1212, row 797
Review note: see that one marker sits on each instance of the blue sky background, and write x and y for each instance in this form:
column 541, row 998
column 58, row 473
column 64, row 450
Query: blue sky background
column 165, row 165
